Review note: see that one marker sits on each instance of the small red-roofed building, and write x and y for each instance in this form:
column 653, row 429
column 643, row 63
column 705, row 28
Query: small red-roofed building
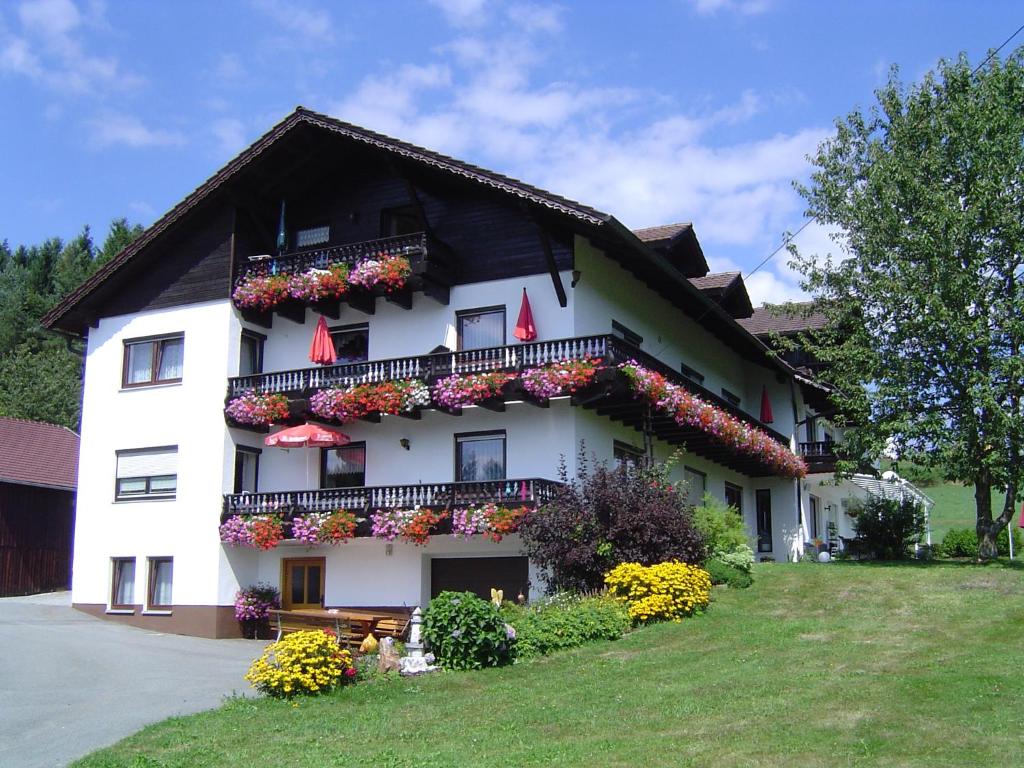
column 38, row 478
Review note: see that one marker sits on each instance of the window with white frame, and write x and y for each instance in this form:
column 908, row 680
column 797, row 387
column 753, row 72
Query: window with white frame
column 161, row 575
column 122, row 583
column 147, row 473
column 153, row 360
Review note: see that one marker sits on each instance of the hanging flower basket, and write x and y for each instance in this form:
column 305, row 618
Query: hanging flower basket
column 688, row 410
column 257, row 408
column 562, row 378
column 456, row 391
column 390, row 397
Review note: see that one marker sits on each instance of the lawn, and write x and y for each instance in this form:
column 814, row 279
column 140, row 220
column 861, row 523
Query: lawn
column 841, row 664
column 954, row 507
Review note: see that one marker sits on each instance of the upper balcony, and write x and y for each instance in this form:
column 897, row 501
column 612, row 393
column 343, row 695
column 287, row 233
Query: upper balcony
column 430, row 267
column 609, row 392
column 820, row 455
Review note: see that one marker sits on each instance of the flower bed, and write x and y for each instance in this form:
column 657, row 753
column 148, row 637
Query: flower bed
column 413, row 525
column 662, row 592
column 561, row 378
column 257, row 531
column 306, row 662
column 492, row 521
column 391, row 397
column 456, row 391
column 257, row 409
column 688, row 410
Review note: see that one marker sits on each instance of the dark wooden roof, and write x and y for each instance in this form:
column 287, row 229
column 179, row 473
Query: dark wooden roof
column 662, row 232
column 679, row 244
column 728, row 290
column 34, row 453
column 766, row 320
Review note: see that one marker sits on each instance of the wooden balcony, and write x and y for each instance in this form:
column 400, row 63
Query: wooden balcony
column 820, row 455
column 531, row 491
column 430, row 259
column 609, row 395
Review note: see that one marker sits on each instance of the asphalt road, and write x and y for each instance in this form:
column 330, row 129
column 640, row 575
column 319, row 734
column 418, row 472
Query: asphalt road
column 70, row 683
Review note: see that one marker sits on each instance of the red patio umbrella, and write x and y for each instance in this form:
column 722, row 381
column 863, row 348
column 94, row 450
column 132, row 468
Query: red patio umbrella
column 766, row 407
column 525, row 329
column 307, row 436
column 322, row 350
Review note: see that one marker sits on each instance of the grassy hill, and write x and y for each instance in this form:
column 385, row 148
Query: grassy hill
column 954, row 507
column 842, row 664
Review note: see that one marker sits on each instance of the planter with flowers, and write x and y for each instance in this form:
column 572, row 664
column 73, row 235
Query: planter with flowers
column 457, row 391
column 261, row 292
column 257, row 531
column 493, row 521
column 386, row 273
column 253, row 605
column 688, row 410
column 315, row 285
column 413, row 525
column 565, row 377
column 257, row 409
column 363, row 400
column 325, row 527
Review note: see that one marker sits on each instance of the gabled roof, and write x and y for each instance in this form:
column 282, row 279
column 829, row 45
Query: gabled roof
column 661, row 232
column 34, row 453
column 728, row 290
column 679, row 244
column 765, row 320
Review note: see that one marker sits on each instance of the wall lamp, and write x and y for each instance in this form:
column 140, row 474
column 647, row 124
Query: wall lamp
column 576, row 275
column 404, row 442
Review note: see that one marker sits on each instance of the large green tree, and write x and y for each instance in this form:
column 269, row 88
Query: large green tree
column 40, row 372
column 926, row 295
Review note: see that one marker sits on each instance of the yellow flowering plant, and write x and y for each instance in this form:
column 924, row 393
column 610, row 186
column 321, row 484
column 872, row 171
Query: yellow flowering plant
column 306, row 662
column 663, row 592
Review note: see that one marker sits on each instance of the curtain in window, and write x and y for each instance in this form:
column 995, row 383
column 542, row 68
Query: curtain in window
column 171, row 354
column 124, row 582
column 345, row 467
column 140, row 362
column 482, row 459
column 486, row 329
column 162, row 577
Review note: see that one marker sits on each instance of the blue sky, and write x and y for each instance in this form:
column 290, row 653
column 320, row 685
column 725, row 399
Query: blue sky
column 682, row 110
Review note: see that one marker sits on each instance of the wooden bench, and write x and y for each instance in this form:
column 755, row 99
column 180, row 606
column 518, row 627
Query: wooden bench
column 382, row 623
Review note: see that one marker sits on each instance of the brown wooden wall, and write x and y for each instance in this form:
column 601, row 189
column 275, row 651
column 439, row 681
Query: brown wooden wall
column 36, row 534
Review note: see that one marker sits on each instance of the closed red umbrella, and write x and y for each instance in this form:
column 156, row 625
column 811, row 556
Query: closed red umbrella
column 1020, row 523
column 766, row 407
column 525, row 329
column 322, row 350
column 307, row 436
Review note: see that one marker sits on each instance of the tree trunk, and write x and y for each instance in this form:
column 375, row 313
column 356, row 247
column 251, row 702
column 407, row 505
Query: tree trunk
column 983, row 526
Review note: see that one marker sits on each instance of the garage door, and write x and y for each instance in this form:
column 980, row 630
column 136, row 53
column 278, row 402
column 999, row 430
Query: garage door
column 480, row 575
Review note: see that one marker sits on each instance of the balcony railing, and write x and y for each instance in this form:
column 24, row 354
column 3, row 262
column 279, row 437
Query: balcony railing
column 822, row 450
column 531, row 491
column 416, row 244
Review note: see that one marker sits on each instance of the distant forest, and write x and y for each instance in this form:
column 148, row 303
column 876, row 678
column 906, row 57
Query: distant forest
column 41, row 371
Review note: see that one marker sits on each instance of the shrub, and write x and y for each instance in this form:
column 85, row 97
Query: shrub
column 306, row 662
column 465, row 632
column 963, row 542
column 609, row 516
column 565, row 621
column 722, row 572
column 741, row 559
column 888, row 529
column 662, row 592
column 721, row 526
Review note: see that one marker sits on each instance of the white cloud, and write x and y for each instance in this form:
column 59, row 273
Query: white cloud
column 129, row 131
column 535, row 18
column 230, row 135
column 309, row 24
column 229, row 69
column 48, row 49
column 462, row 13
column 742, row 7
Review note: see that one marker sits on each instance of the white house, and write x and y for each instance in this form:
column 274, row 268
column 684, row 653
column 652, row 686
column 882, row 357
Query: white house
column 168, row 347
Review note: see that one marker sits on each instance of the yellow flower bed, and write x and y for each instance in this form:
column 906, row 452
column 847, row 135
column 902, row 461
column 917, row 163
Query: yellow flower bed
column 663, row 592
column 303, row 662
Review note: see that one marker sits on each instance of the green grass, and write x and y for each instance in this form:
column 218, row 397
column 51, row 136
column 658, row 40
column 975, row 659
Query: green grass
column 954, row 507
column 844, row 665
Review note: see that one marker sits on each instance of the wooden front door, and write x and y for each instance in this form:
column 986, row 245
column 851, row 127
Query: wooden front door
column 302, row 583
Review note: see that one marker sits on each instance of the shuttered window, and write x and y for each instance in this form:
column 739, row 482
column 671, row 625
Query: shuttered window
column 147, row 473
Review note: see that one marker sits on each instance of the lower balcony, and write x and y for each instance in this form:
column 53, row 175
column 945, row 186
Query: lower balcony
column 365, row 500
column 820, row 455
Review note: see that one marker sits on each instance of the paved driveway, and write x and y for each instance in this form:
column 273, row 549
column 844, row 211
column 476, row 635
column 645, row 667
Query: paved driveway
column 70, row 683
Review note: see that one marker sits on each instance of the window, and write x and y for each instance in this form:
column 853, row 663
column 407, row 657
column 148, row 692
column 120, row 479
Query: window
column 625, row 453
column 734, row 497
column 153, row 360
column 147, row 473
column 813, row 512
column 403, row 220
column 122, row 583
column 247, row 469
column 692, row 374
column 480, row 328
column 763, row 502
column 480, row 456
column 732, row 398
column 161, row 570
column 696, row 486
column 343, row 467
column 628, row 336
column 351, row 343
column 304, row 238
column 812, row 429
column 250, row 358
